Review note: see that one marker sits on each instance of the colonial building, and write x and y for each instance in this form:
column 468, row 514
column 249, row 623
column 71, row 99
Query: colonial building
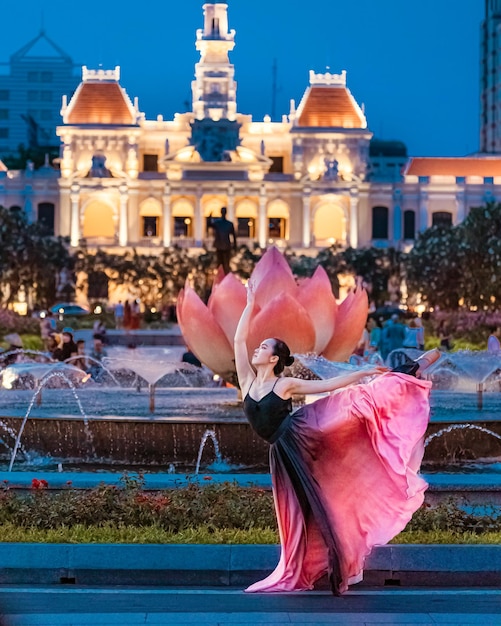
column 315, row 178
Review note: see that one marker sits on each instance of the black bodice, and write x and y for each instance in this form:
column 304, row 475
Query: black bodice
column 266, row 415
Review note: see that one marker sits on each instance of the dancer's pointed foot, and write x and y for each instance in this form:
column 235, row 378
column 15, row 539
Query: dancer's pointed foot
column 427, row 359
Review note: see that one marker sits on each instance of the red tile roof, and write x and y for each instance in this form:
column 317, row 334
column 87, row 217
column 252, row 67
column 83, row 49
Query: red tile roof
column 454, row 166
column 100, row 103
column 330, row 106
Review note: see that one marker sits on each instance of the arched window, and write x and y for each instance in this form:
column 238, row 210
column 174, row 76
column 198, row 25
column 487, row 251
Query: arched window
column 46, row 216
column 278, row 214
column 441, row 218
column 246, row 214
column 329, row 224
column 380, row 222
column 98, row 220
column 409, row 225
column 183, row 215
column 150, row 212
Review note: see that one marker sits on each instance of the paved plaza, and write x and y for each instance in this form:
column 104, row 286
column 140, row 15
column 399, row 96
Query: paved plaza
column 84, row 606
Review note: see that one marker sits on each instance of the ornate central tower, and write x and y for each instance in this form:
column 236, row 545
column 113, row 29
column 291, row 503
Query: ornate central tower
column 214, row 89
column 215, row 131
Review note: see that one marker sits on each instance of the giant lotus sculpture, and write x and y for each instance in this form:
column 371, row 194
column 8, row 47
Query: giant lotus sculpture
column 305, row 316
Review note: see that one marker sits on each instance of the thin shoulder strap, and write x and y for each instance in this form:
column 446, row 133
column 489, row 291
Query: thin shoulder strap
column 273, row 384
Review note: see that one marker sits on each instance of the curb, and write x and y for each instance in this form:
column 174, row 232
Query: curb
column 235, row 565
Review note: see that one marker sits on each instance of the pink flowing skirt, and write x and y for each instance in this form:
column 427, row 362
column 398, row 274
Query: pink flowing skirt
column 345, row 478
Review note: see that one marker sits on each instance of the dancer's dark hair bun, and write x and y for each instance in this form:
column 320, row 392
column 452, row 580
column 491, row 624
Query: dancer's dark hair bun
column 281, row 349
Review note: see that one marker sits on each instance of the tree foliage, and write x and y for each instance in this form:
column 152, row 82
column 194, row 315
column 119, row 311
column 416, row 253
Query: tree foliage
column 30, row 259
column 459, row 266
column 150, row 278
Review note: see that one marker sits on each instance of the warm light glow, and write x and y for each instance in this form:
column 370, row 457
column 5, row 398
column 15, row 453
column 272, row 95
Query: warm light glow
column 8, row 378
column 185, row 154
column 21, row 308
column 98, row 310
column 255, row 174
column 153, row 309
column 246, row 155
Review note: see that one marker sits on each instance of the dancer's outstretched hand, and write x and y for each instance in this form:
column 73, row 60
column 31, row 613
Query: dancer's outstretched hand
column 251, row 291
column 375, row 371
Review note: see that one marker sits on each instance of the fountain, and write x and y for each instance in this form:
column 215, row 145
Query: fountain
column 468, row 371
column 126, row 434
column 208, row 434
column 151, row 370
column 49, row 376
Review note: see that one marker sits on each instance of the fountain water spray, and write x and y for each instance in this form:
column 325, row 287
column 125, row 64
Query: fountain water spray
column 43, row 382
column 208, row 434
column 96, row 362
column 449, row 429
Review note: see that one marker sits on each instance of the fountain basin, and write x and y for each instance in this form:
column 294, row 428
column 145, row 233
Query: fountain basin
column 122, row 432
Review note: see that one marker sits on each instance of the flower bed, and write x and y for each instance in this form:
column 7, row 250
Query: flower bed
column 208, row 513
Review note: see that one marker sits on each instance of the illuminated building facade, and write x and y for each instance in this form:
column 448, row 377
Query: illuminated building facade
column 313, row 179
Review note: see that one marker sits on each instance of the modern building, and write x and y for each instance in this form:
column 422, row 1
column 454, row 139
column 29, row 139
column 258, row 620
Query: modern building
column 490, row 78
column 315, row 178
column 31, row 87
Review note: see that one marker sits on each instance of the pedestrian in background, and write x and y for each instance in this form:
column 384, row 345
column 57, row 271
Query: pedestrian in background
column 224, row 239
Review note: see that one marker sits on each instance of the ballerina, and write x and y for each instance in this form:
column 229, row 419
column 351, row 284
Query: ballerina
column 344, row 468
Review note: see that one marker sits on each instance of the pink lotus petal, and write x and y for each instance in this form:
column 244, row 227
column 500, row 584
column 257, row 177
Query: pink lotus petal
column 315, row 294
column 350, row 322
column 285, row 319
column 226, row 303
column 220, row 276
column 203, row 334
column 272, row 275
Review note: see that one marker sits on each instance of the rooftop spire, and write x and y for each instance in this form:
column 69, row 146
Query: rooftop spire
column 214, row 88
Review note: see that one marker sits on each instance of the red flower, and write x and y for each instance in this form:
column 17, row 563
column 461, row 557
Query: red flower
column 39, row 484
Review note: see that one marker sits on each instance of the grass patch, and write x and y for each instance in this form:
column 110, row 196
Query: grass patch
column 136, row 534
column 108, row 533
column 447, row 537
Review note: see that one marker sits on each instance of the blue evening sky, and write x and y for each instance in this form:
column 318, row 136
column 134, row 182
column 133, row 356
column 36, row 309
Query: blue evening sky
column 415, row 65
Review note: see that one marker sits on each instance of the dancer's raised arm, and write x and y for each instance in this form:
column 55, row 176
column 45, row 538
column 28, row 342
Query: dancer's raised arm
column 245, row 372
column 291, row 386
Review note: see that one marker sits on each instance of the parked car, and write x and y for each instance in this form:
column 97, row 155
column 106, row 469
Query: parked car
column 65, row 308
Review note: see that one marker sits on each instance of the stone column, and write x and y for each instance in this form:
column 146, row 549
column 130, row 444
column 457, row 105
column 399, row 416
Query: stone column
column 397, row 217
column 231, row 203
column 460, row 205
column 28, row 205
column 262, row 223
column 133, row 220
column 63, row 214
column 423, row 210
column 306, row 238
column 122, row 219
column 75, row 216
column 167, row 217
column 198, row 218
column 354, row 218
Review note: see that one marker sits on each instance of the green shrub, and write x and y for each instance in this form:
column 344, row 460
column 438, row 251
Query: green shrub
column 204, row 510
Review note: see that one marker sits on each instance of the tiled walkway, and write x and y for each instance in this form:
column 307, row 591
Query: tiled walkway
column 49, row 606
